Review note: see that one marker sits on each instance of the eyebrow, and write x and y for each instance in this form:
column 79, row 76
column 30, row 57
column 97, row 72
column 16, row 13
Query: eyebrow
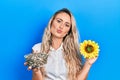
column 62, row 20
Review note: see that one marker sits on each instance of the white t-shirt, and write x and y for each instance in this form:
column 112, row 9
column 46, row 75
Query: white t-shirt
column 56, row 66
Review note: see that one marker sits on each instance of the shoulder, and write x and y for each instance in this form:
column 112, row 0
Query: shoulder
column 36, row 48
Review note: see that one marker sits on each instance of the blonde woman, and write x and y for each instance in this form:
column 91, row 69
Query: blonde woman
column 60, row 42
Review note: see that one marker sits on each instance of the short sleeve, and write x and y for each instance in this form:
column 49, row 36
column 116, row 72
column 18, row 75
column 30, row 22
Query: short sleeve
column 36, row 48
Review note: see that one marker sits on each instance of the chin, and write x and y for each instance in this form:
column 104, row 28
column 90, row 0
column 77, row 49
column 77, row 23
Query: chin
column 59, row 36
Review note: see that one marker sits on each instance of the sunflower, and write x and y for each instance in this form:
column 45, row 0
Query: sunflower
column 89, row 49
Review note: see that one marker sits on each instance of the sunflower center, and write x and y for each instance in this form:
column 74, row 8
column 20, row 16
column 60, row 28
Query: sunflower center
column 89, row 48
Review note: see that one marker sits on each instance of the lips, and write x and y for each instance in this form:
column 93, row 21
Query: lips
column 59, row 31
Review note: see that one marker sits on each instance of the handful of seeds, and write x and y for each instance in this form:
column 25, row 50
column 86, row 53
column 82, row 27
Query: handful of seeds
column 36, row 60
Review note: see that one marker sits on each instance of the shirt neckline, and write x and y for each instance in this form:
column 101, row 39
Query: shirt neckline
column 60, row 48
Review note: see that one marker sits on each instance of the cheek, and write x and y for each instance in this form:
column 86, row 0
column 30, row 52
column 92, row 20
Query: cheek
column 53, row 28
column 66, row 31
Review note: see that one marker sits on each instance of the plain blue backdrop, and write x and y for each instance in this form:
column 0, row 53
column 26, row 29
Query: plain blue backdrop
column 22, row 23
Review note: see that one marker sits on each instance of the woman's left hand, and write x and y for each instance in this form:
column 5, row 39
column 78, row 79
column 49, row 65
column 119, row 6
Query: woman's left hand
column 91, row 61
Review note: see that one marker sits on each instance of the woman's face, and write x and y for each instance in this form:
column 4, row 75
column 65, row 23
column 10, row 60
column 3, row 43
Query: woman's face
column 61, row 25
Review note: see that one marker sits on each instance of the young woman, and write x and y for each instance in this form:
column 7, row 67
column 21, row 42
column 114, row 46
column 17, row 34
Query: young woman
column 60, row 42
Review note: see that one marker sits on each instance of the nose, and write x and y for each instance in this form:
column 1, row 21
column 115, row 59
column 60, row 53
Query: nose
column 61, row 25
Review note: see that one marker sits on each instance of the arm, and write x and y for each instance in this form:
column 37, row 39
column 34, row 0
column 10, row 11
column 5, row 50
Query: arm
column 82, row 75
column 84, row 72
column 37, row 75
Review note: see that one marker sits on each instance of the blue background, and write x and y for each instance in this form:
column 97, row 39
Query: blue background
column 22, row 23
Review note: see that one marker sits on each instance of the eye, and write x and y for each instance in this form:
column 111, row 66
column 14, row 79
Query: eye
column 59, row 21
column 67, row 25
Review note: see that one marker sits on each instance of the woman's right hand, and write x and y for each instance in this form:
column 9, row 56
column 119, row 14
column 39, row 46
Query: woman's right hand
column 29, row 67
column 37, row 74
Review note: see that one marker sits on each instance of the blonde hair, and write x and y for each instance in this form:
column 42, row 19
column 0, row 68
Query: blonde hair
column 70, row 46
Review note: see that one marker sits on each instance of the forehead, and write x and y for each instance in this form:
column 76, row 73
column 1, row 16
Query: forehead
column 64, row 16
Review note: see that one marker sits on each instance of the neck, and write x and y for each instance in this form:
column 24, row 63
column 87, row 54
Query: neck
column 56, row 42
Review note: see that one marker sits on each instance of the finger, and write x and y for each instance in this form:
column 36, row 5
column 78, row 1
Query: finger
column 25, row 63
column 35, row 69
column 29, row 68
